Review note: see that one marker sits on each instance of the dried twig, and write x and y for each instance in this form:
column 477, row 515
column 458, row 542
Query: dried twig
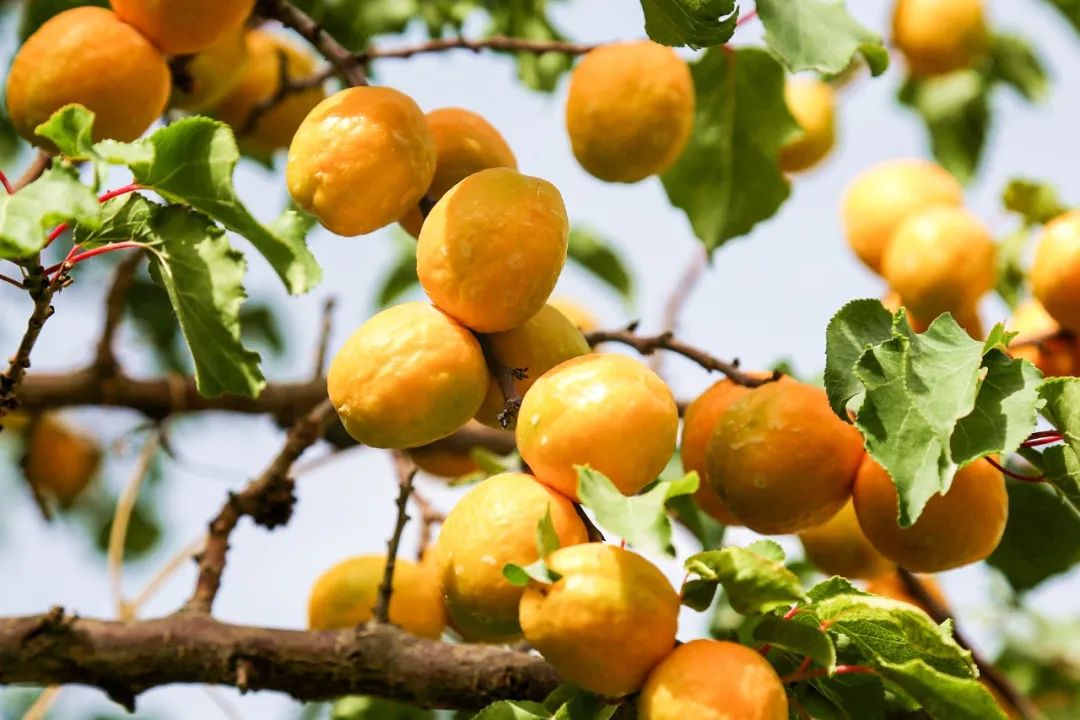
column 676, row 300
column 506, row 378
column 497, row 42
column 125, row 506
column 406, row 471
column 323, row 344
column 429, row 517
column 344, row 62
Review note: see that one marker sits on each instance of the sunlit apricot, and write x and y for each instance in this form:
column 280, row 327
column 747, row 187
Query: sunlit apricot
column 1055, row 273
column 939, row 36
column 812, row 103
column 213, row 73
column 60, row 461
column 892, row 586
column 838, row 547
column 183, row 27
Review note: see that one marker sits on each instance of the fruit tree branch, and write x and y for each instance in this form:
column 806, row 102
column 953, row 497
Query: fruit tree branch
column 680, row 293
column 344, row 62
column 406, row 472
column 497, row 42
column 41, row 292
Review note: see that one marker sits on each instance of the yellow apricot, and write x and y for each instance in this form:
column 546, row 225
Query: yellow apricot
column 373, row 138
column 1037, row 340
column 939, row 36
column 183, row 27
column 443, row 461
column 214, row 72
column 966, row 317
column 607, row 411
column 713, row 680
column 941, row 259
column 781, row 460
column 958, row 528
column 409, row 376
column 606, row 622
column 630, row 110
column 838, row 547
column 492, row 525
column 537, row 345
column 811, row 102
column 880, row 198
column 576, row 313
column 492, row 249
column 1056, row 270
column 60, row 460
column 88, row 56
column 892, row 586
column 261, row 80
column 346, row 594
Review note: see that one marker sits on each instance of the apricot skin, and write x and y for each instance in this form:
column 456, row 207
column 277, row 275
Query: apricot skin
column 183, row 27
column 839, row 547
column 812, row 103
column 1055, row 272
column 214, row 72
column 939, row 36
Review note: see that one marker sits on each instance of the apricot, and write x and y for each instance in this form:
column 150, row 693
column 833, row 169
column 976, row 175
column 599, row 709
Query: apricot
column 492, row 248
column 537, row 345
column 60, row 460
column 183, row 27
column 346, row 594
column 838, row 547
column 607, row 411
column 214, row 72
column 409, row 376
column 713, row 680
column 1055, row 273
column 578, row 314
column 630, row 110
column 442, row 461
column 492, row 525
column 958, row 528
column 880, row 198
column 812, row 104
column 1037, row 341
column 939, row 36
column 941, row 259
column 607, row 620
column 892, row 586
column 370, row 138
column 86, row 55
column 261, row 80
column 781, row 460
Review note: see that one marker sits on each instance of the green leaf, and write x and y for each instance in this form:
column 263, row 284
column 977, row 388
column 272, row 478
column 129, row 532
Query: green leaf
column 727, row 180
column 1070, row 9
column 708, row 531
column 36, row 12
column 522, row 575
column 596, row 255
column 851, row 697
column 354, row 24
column 798, row 637
column 1042, row 537
column 1035, row 201
column 1006, row 409
column 857, row 326
column 641, row 520
column 831, row 587
column 1062, row 408
column 698, row 594
column 358, row 707
column 819, row 35
column 529, row 19
column 27, row 216
column 956, row 110
column 122, row 219
column 941, row 694
column 1014, row 62
column 402, row 276
column 547, row 540
column 754, row 584
column 1062, row 470
column 513, row 710
column 71, row 130
column 696, row 23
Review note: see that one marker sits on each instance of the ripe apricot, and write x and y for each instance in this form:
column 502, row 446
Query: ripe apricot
column 576, row 313
column 958, row 528
column 373, row 138
column 537, row 345
column 443, row 461
column 183, row 27
column 880, row 198
column 941, row 259
column 713, row 680
column 465, row 143
column 781, row 460
column 607, row 411
column 492, row 249
column 892, row 586
column 214, row 72
column 939, row 36
column 838, row 547
column 606, row 622
column 630, row 110
column 492, row 525
column 812, row 103
column 409, row 376
column 1037, row 340
column 966, row 317
column 346, row 594
column 88, row 56
column 274, row 128
column 1056, row 269
column 60, row 460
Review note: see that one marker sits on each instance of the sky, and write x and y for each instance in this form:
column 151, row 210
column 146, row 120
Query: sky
column 765, row 296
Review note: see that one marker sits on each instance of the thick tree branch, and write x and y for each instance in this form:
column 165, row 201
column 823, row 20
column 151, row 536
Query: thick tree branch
column 344, row 62
column 126, row 659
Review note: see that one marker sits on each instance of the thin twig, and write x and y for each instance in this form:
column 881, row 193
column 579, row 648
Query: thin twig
column 344, row 62
column 11, row 281
column 429, row 517
column 649, row 344
column 41, row 291
column 125, row 506
column 42, row 703
column 170, row 568
column 115, row 299
column 987, row 669
column 406, row 471
column 497, row 42
column 37, row 167
column 506, row 378
column 323, row 344
column 678, row 296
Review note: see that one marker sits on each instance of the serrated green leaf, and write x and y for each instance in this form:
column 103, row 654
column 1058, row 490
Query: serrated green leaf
column 71, row 130
column 1006, row 409
column 122, row 219
column 547, row 540
column 943, row 695
column 513, row 710
column 695, row 23
column 819, row 35
column 768, row 549
column 402, row 276
column 727, row 180
column 358, row 707
column 1062, row 408
column 851, row 697
column 1042, row 537
column 522, row 575
column 1013, row 62
column 708, row 531
column 698, row 594
column 27, row 216
column 798, row 637
column 597, row 255
column 754, row 584
column 831, row 587
column 585, row 706
column 857, row 326
column 1062, row 470
column 641, row 520
column 956, row 110
column 1035, row 201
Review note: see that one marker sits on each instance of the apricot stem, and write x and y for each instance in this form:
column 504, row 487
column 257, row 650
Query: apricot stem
column 799, row 676
column 748, row 17
column 6, row 183
column 1015, row 476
